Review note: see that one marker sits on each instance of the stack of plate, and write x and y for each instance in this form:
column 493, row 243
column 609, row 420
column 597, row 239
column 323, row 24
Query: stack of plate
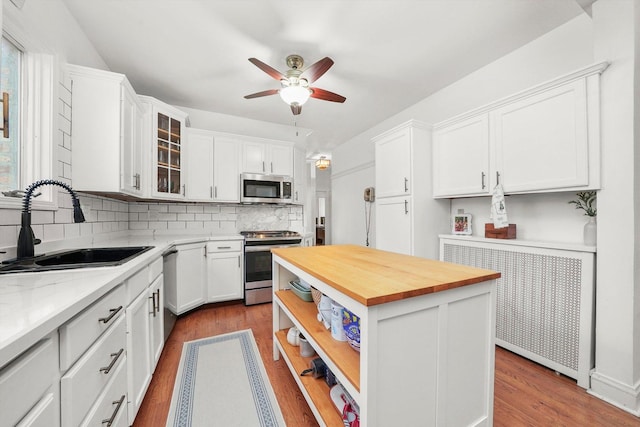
column 301, row 289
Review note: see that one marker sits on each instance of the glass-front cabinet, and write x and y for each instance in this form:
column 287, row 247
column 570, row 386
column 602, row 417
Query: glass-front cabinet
column 168, row 145
column 166, row 127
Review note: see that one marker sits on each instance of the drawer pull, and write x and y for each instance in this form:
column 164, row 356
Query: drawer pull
column 224, row 247
column 113, row 312
column 115, row 356
column 109, row 421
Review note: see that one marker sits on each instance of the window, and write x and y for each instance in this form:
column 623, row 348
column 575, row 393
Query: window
column 10, row 83
column 29, row 75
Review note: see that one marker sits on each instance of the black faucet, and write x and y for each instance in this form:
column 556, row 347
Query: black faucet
column 26, row 238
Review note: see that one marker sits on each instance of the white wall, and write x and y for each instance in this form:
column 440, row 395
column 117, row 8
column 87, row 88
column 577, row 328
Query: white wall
column 550, row 218
column 617, row 374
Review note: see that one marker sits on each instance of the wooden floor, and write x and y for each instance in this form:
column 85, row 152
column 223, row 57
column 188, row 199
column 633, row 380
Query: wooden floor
column 526, row 394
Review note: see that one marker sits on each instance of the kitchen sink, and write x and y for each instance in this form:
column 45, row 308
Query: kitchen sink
column 74, row 258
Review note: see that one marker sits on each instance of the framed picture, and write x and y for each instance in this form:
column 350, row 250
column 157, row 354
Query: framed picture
column 461, row 224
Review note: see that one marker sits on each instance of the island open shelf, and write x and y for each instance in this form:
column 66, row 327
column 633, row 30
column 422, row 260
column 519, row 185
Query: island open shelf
column 315, row 390
column 427, row 334
column 340, row 353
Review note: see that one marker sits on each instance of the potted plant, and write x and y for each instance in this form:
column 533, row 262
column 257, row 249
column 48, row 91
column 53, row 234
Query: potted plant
column 585, row 202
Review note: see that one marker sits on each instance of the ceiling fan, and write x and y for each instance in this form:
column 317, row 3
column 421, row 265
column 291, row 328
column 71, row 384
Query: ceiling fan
column 296, row 89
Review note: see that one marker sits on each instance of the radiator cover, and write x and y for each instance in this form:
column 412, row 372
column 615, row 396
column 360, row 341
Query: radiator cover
column 545, row 301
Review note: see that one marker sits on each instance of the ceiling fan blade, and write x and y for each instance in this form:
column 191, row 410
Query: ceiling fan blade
column 263, row 93
column 296, row 109
column 316, row 71
column 267, row 69
column 325, row 95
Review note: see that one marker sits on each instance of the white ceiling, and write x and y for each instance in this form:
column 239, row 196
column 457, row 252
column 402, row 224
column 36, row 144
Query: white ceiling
column 389, row 54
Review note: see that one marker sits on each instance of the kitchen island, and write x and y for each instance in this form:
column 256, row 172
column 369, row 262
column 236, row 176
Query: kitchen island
column 426, row 341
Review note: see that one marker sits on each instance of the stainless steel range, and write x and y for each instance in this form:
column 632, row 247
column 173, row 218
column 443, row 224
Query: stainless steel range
column 257, row 261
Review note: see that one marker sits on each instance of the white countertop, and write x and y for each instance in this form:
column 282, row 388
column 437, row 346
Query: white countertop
column 33, row 305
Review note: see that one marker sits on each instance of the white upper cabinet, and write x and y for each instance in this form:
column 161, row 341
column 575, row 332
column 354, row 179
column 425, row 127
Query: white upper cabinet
column 394, row 163
column 542, row 142
column 165, row 126
column 461, row 158
column 267, row 158
column 544, row 139
column 106, row 128
column 199, row 165
column 226, row 169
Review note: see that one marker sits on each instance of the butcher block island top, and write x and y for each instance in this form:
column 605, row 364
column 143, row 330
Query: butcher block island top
column 371, row 276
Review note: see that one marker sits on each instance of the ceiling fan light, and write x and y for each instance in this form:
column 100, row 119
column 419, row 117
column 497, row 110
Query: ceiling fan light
column 295, row 95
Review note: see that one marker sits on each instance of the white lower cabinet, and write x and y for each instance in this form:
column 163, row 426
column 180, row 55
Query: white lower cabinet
column 29, row 387
column 111, row 405
column 138, row 352
column 156, row 320
column 145, row 334
column 188, row 277
column 224, row 271
column 83, row 383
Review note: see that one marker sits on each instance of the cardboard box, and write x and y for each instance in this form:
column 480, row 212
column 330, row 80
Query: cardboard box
column 500, row 233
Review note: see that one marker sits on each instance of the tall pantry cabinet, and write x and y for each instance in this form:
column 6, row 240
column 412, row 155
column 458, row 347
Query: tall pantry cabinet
column 408, row 219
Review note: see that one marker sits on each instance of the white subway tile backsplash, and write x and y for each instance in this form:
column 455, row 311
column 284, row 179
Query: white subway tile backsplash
column 63, row 216
column 186, row 217
column 177, row 208
column 158, row 225
column 195, row 209
column 166, row 217
column 53, row 232
column 176, row 225
column 10, row 216
column 42, row 217
column 71, row 230
column 140, row 225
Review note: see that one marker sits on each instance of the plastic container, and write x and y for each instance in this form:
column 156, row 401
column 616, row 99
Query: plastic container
column 305, row 348
column 337, row 331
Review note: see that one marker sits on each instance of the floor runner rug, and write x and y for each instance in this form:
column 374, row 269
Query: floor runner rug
column 221, row 381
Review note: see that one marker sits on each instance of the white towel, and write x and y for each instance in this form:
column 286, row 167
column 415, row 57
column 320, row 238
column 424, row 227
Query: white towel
column 498, row 208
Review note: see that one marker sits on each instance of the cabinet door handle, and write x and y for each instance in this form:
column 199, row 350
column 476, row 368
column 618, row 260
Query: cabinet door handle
column 296, row 196
column 184, row 187
column 238, row 261
column 497, row 177
column 153, row 303
column 110, row 421
column 113, row 312
column 406, row 207
column 115, row 356
column 406, row 185
column 263, row 169
column 483, row 185
column 271, row 167
column 157, row 305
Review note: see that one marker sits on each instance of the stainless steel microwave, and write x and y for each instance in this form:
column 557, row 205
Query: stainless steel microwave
column 258, row 188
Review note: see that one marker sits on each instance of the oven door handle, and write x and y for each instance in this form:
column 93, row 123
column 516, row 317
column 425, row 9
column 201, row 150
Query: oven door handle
column 266, row 248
